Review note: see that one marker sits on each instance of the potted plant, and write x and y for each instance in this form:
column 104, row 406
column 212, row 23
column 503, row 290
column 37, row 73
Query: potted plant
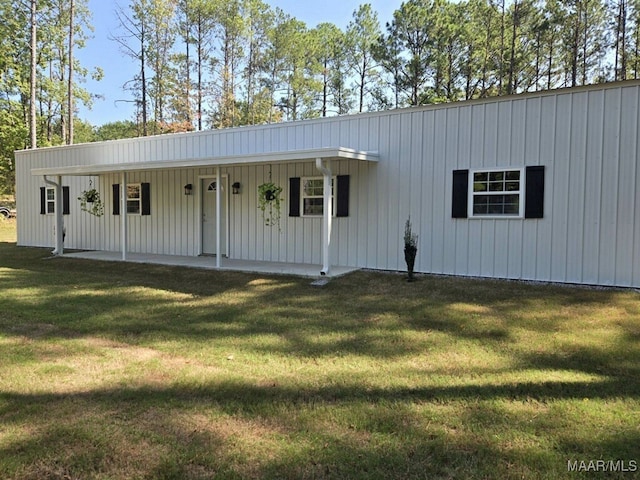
column 90, row 202
column 269, row 202
column 410, row 248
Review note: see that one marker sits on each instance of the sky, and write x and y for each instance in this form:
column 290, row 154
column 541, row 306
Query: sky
column 102, row 52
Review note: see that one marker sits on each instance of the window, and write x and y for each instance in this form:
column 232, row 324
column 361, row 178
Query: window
column 48, row 200
column 507, row 193
column 133, row 198
column 51, row 200
column 496, row 193
column 305, row 196
column 138, row 198
column 312, row 196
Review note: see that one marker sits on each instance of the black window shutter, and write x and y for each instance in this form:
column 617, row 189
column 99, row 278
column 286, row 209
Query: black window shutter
column 294, row 197
column 65, row 201
column 460, row 194
column 534, row 193
column 145, row 192
column 116, row 198
column 342, row 207
column 43, row 200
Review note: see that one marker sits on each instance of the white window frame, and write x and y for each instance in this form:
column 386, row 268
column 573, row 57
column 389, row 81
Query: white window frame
column 50, row 203
column 519, row 192
column 134, row 199
column 303, row 196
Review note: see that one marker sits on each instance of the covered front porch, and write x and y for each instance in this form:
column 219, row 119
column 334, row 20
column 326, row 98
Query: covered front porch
column 121, row 174
column 209, row 262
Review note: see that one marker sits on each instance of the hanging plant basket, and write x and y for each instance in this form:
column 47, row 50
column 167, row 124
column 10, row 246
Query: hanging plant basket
column 90, row 202
column 270, row 203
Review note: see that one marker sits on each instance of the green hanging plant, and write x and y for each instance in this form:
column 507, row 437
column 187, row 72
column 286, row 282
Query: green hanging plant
column 90, row 202
column 270, row 203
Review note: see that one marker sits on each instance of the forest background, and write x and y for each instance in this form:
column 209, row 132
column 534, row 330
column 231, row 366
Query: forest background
column 203, row 64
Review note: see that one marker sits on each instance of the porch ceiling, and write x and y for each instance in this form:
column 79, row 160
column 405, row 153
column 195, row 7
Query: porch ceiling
column 332, row 153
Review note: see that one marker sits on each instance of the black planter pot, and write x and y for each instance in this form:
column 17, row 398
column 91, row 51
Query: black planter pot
column 410, row 253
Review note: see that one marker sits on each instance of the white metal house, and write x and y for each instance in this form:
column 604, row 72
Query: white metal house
column 538, row 186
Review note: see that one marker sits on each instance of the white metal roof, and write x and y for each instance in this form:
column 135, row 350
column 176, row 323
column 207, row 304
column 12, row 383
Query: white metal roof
column 332, row 153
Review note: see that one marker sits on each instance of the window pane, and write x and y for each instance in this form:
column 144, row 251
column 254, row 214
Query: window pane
column 496, row 209
column 513, row 175
column 496, row 176
column 51, row 194
column 496, row 186
column 480, row 176
column 479, row 186
column 512, row 186
column 496, row 204
column 133, row 191
column 51, row 207
column 512, row 199
column 313, row 187
column 133, row 206
column 313, row 206
column 480, row 204
column 511, row 209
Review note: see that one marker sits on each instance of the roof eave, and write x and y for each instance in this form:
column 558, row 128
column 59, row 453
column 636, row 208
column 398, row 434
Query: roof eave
column 252, row 159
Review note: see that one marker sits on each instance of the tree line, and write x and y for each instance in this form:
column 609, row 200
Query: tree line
column 221, row 63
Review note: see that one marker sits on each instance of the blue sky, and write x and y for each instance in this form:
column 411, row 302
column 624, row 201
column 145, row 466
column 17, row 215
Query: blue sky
column 118, row 69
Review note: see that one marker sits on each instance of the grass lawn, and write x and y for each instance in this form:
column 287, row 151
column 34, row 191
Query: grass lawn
column 113, row 371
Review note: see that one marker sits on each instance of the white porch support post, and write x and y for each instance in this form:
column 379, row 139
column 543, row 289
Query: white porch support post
column 123, row 214
column 59, row 218
column 218, row 223
column 327, row 215
column 59, row 229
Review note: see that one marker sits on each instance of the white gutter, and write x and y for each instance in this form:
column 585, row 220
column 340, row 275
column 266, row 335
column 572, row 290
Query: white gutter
column 327, row 215
column 59, row 230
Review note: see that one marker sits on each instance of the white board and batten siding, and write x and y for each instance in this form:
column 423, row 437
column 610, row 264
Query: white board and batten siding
column 586, row 138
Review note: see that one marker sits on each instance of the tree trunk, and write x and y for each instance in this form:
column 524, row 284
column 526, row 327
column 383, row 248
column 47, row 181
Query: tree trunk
column 575, row 48
column 143, row 79
column 34, row 67
column 187, row 42
column 200, row 60
column 512, row 58
column 70, row 79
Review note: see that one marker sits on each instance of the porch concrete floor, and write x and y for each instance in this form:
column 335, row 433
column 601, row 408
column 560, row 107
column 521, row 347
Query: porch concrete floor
column 209, row 262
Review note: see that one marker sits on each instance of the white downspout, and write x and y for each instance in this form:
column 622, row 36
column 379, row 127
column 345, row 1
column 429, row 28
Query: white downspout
column 59, row 233
column 327, row 215
column 123, row 214
column 218, row 223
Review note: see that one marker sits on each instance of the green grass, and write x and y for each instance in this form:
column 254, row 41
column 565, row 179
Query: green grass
column 116, row 371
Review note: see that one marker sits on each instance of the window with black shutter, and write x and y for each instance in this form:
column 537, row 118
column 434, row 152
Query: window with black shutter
column 498, row 193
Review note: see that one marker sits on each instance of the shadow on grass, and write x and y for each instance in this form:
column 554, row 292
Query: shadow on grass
column 238, row 430
column 235, row 429
column 363, row 313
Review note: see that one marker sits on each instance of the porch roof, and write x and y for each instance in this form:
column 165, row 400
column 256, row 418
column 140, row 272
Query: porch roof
column 329, row 153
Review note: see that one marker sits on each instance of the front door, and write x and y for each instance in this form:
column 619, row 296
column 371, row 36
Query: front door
column 208, row 189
